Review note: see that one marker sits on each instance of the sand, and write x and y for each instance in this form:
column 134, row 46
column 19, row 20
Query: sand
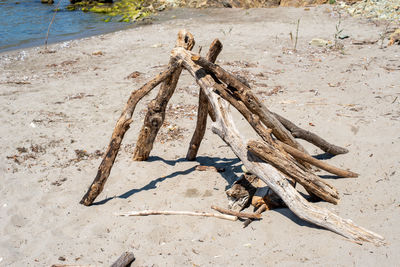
column 59, row 109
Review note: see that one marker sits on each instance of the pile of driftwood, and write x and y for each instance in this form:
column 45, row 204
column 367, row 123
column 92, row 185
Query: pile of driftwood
column 277, row 159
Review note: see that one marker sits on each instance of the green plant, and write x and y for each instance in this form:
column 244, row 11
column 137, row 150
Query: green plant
column 383, row 34
column 297, row 35
column 336, row 38
column 228, row 32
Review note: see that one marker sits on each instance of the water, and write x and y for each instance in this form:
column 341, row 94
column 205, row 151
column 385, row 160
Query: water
column 24, row 23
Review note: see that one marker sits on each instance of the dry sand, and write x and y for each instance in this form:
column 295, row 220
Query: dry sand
column 56, row 103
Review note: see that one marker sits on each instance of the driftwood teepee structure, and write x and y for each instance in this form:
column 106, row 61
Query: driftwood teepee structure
column 277, row 159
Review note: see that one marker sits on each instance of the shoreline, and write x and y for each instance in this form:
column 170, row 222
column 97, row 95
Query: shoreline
column 171, row 14
column 59, row 110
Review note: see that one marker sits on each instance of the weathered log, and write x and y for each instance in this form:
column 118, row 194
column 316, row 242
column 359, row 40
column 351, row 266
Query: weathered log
column 245, row 94
column 311, row 182
column 318, row 163
column 124, row 260
column 118, row 134
column 242, row 192
column 170, row 212
column 265, row 195
column 203, row 108
column 298, row 132
column 260, row 210
column 253, row 119
column 237, row 214
column 156, row 109
column 225, row 128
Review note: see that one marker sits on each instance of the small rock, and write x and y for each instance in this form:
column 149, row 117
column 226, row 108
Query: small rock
column 395, row 37
column 133, row 75
column 320, row 42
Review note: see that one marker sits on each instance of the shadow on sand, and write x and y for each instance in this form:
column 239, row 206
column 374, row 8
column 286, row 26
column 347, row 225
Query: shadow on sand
column 231, row 166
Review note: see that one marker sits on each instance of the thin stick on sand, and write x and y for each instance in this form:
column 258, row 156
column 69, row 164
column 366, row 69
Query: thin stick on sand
column 237, row 214
column 171, row 212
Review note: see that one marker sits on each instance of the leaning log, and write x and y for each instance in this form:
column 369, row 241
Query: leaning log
column 311, row 182
column 203, row 108
column 226, row 129
column 171, row 212
column 298, row 132
column 120, row 129
column 317, row 163
column 245, row 94
column 237, row 213
column 260, row 210
column 156, row 110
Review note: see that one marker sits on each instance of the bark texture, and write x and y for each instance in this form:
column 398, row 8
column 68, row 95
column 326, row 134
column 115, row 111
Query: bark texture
column 203, row 108
column 260, row 210
column 225, row 128
column 124, row 260
column 118, row 134
column 236, row 213
column 317, row 163
column 311, row 182
column 171, row 212
column 156, row 110
column 298, row 132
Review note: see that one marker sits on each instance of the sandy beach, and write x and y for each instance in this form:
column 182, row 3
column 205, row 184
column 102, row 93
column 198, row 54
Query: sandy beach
column 59, row 110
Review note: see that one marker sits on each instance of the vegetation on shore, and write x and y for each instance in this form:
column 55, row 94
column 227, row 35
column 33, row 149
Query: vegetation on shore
column 123, row 11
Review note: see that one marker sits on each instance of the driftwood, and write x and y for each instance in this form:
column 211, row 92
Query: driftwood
column 297, row 132
column 124, row 260
column 239, row 94
column 203, row 109
column 169, row 212
column 156, row 110
column 242, row 191
column 244, row 93
column 236, row 213
column 279, row 160
column 225, row 128
column 260, row 210
column 265, row 196
column 311, row 182
column 118, row 134
column 318, row 163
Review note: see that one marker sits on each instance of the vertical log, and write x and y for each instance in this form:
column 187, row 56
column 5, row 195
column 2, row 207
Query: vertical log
column 118, row 134
column 318, row 163
column 203, row 108
column 156, row 110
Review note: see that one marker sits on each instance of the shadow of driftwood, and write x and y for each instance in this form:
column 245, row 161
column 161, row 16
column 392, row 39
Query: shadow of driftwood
column 323, row 156
column 230, row 165
column 293, row 217
column 329, row 176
